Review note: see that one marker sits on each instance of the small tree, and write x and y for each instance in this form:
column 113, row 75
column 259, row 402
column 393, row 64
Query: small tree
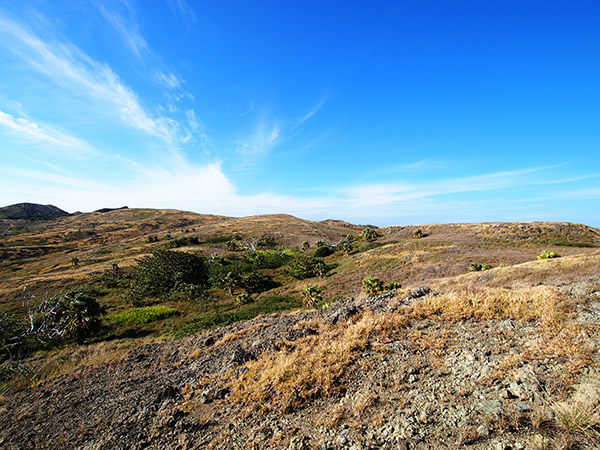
column 311, row 295
column 372, row 284
column 305, row 245
column 167, row 270
column 417, row 234
column 77, row 315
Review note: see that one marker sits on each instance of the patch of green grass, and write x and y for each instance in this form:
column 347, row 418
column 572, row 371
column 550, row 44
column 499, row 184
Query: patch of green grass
column 267, row 305
column 143, row 315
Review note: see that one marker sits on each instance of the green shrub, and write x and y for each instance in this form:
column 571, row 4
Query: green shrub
column 372, row 284
column 370, row 234
column 302, row 267
column 346, row 247
column 311, row 295
column 477, row 267
column 417, row 234
column 143, row 315
column 548, row 255
column 184, row 241
column 115, row 277
column 392, row 285
column 231, row 275
column 167, row 270
column 244, row 298
column 322, row 252
column 267, row 259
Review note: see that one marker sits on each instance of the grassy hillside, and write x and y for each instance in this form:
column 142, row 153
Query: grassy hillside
column 472, row 335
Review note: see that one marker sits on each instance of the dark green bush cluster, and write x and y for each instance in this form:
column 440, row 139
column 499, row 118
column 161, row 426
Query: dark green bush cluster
column 477, row 267
column 373, row 285
column 115, row 277
column 302, row 267
column 184, row 241
column 267, row 259
column 166, row 271
column 370, row 234
column 236, row 274
column 151, row 239
column 323, row 251
column 74, row 315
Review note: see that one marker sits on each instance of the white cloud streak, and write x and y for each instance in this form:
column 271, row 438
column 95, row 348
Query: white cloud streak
column 184, row 11
column 45, row 135
column 71, row 68
column 128, row 30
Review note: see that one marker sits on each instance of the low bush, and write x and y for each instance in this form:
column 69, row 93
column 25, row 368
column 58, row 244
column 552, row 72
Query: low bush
column 478, row 267
column 143, row 315
column 322, row 252
column 184, row 241
column 548, row 255
column 372, row 284
column 370, row 234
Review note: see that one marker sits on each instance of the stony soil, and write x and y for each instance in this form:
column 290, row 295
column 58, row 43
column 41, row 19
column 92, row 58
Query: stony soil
column 462, row 384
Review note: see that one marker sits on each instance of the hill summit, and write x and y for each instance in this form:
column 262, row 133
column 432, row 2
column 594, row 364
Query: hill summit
column 31, row 211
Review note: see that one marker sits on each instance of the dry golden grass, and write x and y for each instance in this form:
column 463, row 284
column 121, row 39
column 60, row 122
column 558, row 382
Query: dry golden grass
column 541, row 303
column 309, row 367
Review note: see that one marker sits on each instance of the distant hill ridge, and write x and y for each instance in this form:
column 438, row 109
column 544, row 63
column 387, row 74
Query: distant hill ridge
column 31, row 211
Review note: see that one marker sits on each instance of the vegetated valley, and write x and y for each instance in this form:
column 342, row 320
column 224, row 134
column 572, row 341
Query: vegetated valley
column 140, row 328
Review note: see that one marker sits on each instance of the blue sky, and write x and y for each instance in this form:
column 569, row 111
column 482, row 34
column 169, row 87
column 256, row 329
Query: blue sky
column 403, row 112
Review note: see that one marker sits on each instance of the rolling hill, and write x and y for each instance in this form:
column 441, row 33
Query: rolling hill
column 475, row 343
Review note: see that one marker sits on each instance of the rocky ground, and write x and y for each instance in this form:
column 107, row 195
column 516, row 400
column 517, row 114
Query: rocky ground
column 422, row 382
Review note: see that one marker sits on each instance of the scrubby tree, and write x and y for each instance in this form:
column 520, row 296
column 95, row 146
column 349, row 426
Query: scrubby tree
column 311, row 295
column 77, row 315
column 167, row 270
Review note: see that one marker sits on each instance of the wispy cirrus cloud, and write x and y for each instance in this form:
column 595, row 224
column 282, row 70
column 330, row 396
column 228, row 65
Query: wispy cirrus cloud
column 127, row 29
column 31, row 131
column 184, row 11
column 263, row 138
column 69, row 67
